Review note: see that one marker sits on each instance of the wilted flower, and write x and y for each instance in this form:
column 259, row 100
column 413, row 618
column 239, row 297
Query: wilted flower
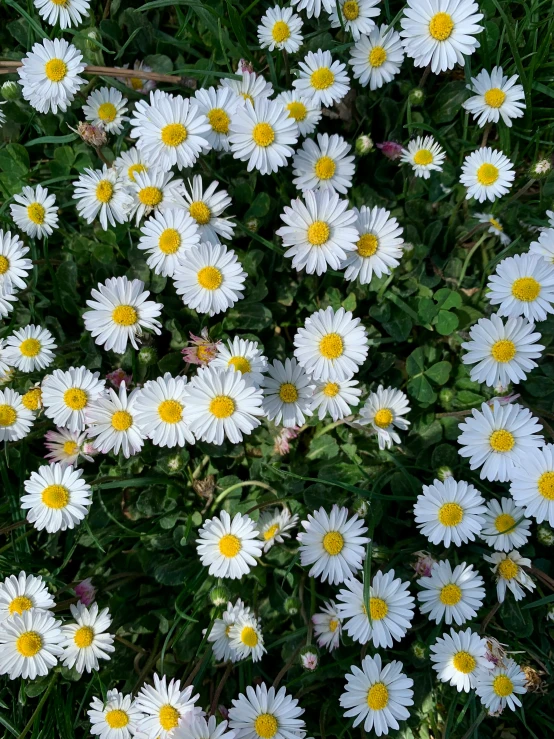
column 540, row 169
column 92, row 135
column 85, row 591
column 282, row 445
column 502, row 399
column 118, row 376
column 423, row 564
column 391, row 149
column 244, row 66
column 203, row 349
column 496, row 651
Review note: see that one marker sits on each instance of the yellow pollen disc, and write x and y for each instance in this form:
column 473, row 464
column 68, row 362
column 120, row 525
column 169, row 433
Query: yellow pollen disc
column 378, row 609
column 450, row 595
column 222, row 406
column 318, row 233
column 116, row 718
column 271, row 531
column 30, row 347
column 8, row 416
column 377, row 697
column 351, row 10
column 229, row 545
column 496, row 224
column 325, row 168
column 29, row 644
column 20, row 604
column 487, row 174
column 124, row 315
column 121, row 420
column 423, row 157
column 63, row 3
column 504, row 522
column 263, row 134
column 169, row 717
column 464, row 662
column 247, row 96
column 526, row 289
column 508, row 569
column 331, row 390
column 150, row 196
column 502, row 686
column 174, row 134
column 383, row 418
column 107, row 112
column 546, row 485
column 36, row 213
column 70, row 447
column 297, row 110
column 55, row 70
column 210, row 278
column 503, row 350
column 200, row 212
column 377, row 56
column 170, row 411
column 280, row 32
column 249, row 637
column 333, row 625
column 219, row 120
column 331, row 346
column 502, row 441
column 84, row 637
column 450, row 514
column 4, row 265
column 322, row 78
column 104, row 191
column 239, row 364
column 333, row 543
column 136, row 83
column 32, row 399
column 134, row 169
column 266, row 725
column 170, row 241
column 288, row 393
column 495, row 97
column 204, row 353
column 55, row 496
column 441, row 26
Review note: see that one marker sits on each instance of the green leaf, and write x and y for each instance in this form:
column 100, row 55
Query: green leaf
column 415, row 364
column 420, row 389
column 439, row 372
column 446, row 322
column 14, row 160
column 516, row 620
column 248, row 317
column 260, row 206
column 323, row 447
column 447, row 299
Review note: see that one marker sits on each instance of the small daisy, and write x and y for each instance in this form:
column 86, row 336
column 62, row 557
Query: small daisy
column 138, row 83
column 23, row 593
column 505, row 526
column 202, row 728
column 112, row 423
column 105, row 108
column 30, row 644
column 84, row 642
column 206, row 207
column 66, row 14
column 322, row 80
column 242, row 356
column 129, row 163
column 154, row 191
column 287, row 393
column 544, row 247
column 523, row 285
column 305, row 112
column 496, row 96
column 280, row 29
column 453, row 594
column 211, row 280
column 167, row 237
column 14, row 266
column 274, row 525
column 379, row 246
column 66, row 396
column 6, row 300
column 318, row 231
column 383, row 410
column 219, row 106
column 501, row 686
column 335, row 399
column 377, row 695
column 266, row 714
column 313, row 8
column 327, row 626
column 49, row 75
column 102, row 194
column 324, row 165
column 449, row 512
column 35, row 212
column 252, row 87
column 498, row 438
column 488, row 174
column 15, row 419
column 532, row 484
column 30, row 348
column 458, row 657
column 164, row 706
column 424, row 155
column 159, row 411
column 376, row 59
column 356, row 16
column 229, row 546
column 219, row 634
column 495, row 227
column 508, row 568
column 66, row 446
column 120, row 310
column 246, row 638
column 116, row 717
column 440, row 33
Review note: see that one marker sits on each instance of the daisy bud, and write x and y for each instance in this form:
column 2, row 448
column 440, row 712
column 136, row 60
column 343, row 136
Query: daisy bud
column 444, row 472
column 175, row 464
column 252, row 224
column 391, row 149
column 292, row 606
column 545, row 535
column 309, row 658
column 550, row 612
column 219, row 595
column 540, row 169
column 85, row 591
column 420, row 651
column 10, row 91
column 416, row 96
column 147, row 355
column 361, row 507
column 364, row 144
column 424, row 564
column 446, row 396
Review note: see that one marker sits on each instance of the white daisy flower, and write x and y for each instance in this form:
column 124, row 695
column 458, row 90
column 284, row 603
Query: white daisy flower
column 115, row 718
column 376, row 59
column 266, row 714
column 273, row 526
column 322, row 80
column 102, row 194
column 35, row 211
column 15, row 419
column 383, row 410
column 30, row 644
column 84, row 642
column 49, row 75
column 65, row 14
column 318, row 231
column 327, row 626
column 356, row 16
column 211, row 280
column 6, row 302
column 251, row 87
column 105, row 109
column 119, row 312
column 335, row 399
column 112, row 423
column 440, row 33
column 167, row 237
column 14, row 265
column 66, row 446
column 154, row 191
column 498, row 438
column 449, row 512
column 228, row 545
column 532, row 484
column 164, row 706
column 287, row 393
column 487, row 173
column 129, row 163
column 544, row 246
column 505, row 526
column 138, row 83
column 304, row 111
column 496, row 96
column 377, row 695
column 280, row 29
column 523, row 285
column 457, row 657
column 424, row 155
column 219, row 106
column 23, row 593
column 495, row 227
column 391, row 610
column 170, row 131
column 159, row 411
column 510, row 575
column 30, row 348
column 219, row 634
column 313, row 8
column 324, row 165
column 453, row 594
column 206, row 207
column 202, row 728
column 500, row 687
column 67, row 395
column 379, row 246
column 242, row 356
column 246, row 638
column 5, row 369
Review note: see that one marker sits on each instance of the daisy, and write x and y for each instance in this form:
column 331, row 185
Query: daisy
column 305, row 112
column 170, row 131
column 495, row 227
column 274, row 525
column 112, row 423
column 424, row 155
column 356, row 16
column 453, row 594
column 383, row 411
column 246, row 638
column 280, row 29
column 211, row 280
column 30, row 644
column 5, row 369
column 266, row 714
column 377, row 695
column 6, row 300
column 324, row 165
column 15, row 419
column 497, row 438
column 449, row 512
column 30, row 348
column 242, row 356
column 167, row 237
column 335, row 398
column 505, row 525
column 138, row 83
column 508, row 568
column 202, row 728
column 458, row 657
column 49, row 75
column 318, row 232
column 313, row 8
column 379, row 247
column 252, row 87
column 35, row 212
column 66, row 15
column 116, row 717
column 501, row 686
column 327, row 626
column 23, row 593
column 496, row 96
column 532, row 484
column 544, row 247
column 376, row 59
column 105, row 109
column 221, row 629
column 440, row 33
column 287, row 393
column 14, row 266
column 523, row 285
column 119, row 312
column 84, row 642
column 102, row 194
column 219, row 106
column 322, row 80
column 164, row 706
column 66, row 396
column 154, row 191
column 206, row 207
column 66, row 446
column 229, row 545
column 159, row 411
column 129, row 163
column 487, row 174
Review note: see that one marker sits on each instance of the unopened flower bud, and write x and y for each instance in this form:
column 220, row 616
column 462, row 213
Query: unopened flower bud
column 309, row 658
column 252, row 224
column 361, row 507
column 10, row 90
column 545, row 535
column 364, row 144
column 219, row 595
column 147, row 355
column 416, row 96
column 541, row 169
column 85, row 591
column 292, row 606
column 444, row 473
column 420, row 651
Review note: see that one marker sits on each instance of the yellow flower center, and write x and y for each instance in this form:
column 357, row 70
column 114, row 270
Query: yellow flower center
column 322, row 78
column 280, row 32
column 63, row 3
column 75, row 398
column 32, row 399
column 450, row 595
column 174, row 134
column 502, row 441
column 204, row 353
column 84, row 637
column 495, row 97
column 136, row 83
column 464, row 662
column 169, row 717
column 546, row 485
column 210, row 278
column 122, row 420
column 450, row 514
column 219, row 120
column 503, row 350
column 30, row 347
column 496, row 224
column 200, row 212
column 104, row 191
column 504, row 522
column 266, row 725
column 502, row 686
column 333, row 625
column 263, row 134
column 333, row 543
column 107, row 112
column 124, row 315
column 247, row 96
column 229, row 545
column 239, row 364
column 150, row 196
column 377, row 56
column 288, row 393
column 487, row 174
column 36, row 213
column 351, row 10
column 271, row 531
column 331, row 389
column 383, row 418
column 526, row 289
column 378, row 609
column 116, row 718
column 377, row 697
column 70, row 447
column 170, row 241
column 508, row 569
column 8, row 416
column 222, row 406
column 318, row 233
column 325, row 168
column 55, row 70
column 20, row 604
column 331, row 346
column 134, row 169
column 29, row 644
column 4, row 264
column 423, row 157
column 55, row 496
column 249, row 637
column 170, row 411
column 441, row 26
column 297, row 110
